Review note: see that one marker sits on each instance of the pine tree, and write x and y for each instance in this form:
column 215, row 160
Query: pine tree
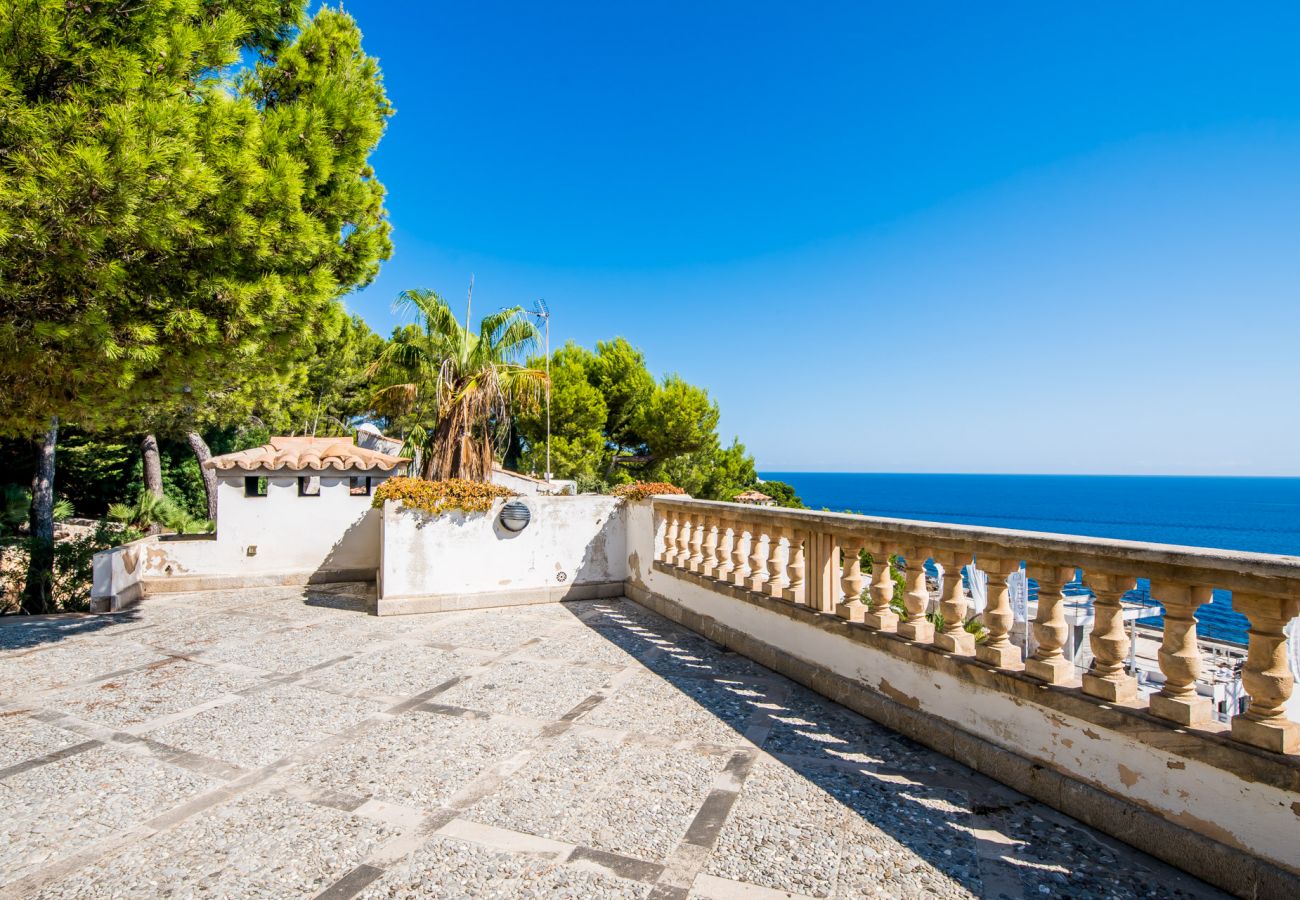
column 170, row 216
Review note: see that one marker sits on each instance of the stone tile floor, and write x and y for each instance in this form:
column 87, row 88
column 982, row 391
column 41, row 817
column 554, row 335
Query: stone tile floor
column 280, row 743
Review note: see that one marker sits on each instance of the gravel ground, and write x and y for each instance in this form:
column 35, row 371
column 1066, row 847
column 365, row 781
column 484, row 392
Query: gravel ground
column 580, row 750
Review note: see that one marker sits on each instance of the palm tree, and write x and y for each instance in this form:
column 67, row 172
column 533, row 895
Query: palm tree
column 469, row 383
column 152, row 512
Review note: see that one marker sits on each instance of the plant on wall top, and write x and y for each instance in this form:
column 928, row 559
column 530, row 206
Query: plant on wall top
column 641, row 490
column 437, row 497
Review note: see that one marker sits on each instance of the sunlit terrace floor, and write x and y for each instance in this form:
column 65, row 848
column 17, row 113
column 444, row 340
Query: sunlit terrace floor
column 280, row 743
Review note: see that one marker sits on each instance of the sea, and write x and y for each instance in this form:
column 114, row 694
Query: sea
column 1259, row 514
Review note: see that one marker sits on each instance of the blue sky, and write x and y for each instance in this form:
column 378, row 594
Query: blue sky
column 923, row 237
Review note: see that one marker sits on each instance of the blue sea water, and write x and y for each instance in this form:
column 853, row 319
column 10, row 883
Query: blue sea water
column 1260, row 514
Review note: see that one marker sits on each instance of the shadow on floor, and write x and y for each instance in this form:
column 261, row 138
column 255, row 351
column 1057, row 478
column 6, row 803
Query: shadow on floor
column 987, row 838
column 32, row 632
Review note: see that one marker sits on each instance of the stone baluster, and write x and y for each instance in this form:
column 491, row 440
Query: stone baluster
column 851, row 581
column 758, row 552
column 998, row 617
column 775, row 584
column 1266, row 676
column 728, row 534
column 670, row 537
column 1180, row 659
column 683, row 542
column 1050, row 631
column 1106, row 678
column 880, row 615
column 712, row 536
column 917, row 599
column 794, row 568
column 699, row 524
column 738, row 571
column 954, row 637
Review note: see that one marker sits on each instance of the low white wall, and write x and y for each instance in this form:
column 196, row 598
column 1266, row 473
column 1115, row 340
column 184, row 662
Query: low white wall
column 1200, row 797
column 573, row 547
column 117, row 575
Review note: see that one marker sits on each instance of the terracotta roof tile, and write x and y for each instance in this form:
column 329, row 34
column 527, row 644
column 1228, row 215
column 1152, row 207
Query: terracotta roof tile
column 298, row 454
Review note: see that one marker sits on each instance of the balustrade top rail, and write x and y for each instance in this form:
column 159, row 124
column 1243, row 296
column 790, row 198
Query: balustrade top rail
column 1258, row 573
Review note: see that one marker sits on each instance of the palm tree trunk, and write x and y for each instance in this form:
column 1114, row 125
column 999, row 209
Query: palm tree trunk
column 38, row 592
column 152, row 465
column 203, row 454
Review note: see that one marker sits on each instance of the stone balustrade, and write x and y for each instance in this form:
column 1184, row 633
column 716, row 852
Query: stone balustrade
column 813, row 560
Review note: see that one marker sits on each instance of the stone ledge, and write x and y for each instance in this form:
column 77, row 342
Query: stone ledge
column 1209, row 743
column 430, row 603
column 185, row 584
column 1226, row 867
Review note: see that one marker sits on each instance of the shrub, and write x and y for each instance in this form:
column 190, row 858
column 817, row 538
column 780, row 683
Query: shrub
column 441, row 496
column 73, row 569
column 641, row 490
column 150, row 511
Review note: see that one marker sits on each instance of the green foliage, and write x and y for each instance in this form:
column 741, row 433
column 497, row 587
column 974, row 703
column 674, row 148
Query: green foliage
column 95, row 470
column 619, row 372
column 436, row 497
column 711, row 473
column 150, row 511
column 15, row 505
column 317, row 385
column 15, row 502
column 612, row 423
column 172, row 223
column 579, row 415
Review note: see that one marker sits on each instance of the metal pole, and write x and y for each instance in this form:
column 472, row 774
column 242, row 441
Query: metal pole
column 548, row 398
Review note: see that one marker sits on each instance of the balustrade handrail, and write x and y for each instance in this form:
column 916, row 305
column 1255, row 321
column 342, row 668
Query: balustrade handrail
column 813, row 559
column 1260, row 573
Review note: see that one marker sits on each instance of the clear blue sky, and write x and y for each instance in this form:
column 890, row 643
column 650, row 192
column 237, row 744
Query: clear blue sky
column 1015, row 237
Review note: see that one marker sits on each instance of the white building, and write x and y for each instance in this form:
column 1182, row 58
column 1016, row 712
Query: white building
column 293, row 511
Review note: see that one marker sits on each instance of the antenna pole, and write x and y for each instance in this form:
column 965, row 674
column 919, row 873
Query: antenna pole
column 548, row 398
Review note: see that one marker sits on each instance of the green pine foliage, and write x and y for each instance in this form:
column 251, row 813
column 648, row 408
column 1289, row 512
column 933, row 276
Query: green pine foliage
column 613, row 423
column 170, row 218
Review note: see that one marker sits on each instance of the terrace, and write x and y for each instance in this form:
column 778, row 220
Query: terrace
column 281, row 742
column 551, row 631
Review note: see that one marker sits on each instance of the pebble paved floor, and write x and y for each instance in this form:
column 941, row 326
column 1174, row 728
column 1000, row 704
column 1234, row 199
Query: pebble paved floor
column 281, row 743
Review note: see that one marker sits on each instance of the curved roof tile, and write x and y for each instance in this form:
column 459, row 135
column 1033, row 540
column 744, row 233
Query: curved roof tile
column 299, row 454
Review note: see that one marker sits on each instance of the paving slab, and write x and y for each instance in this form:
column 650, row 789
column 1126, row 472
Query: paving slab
column 281, row 742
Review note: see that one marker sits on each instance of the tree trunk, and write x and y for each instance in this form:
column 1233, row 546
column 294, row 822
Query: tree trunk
column 38, row 593
column 201, row 451
column 152, row 465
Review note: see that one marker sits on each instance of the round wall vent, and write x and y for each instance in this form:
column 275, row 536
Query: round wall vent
column 515, row 516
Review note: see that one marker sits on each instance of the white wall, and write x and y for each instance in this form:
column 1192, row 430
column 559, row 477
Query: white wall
column 570, row 542
column 288, row 533
column 1196, row 795
column 277, row 538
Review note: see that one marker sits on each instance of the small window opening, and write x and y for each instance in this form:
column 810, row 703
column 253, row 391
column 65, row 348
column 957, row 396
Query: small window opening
column 359, row 486
column 255, row 486
column 309, row 486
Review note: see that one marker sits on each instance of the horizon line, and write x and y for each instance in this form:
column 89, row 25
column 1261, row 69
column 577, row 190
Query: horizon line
column 1024, row 474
